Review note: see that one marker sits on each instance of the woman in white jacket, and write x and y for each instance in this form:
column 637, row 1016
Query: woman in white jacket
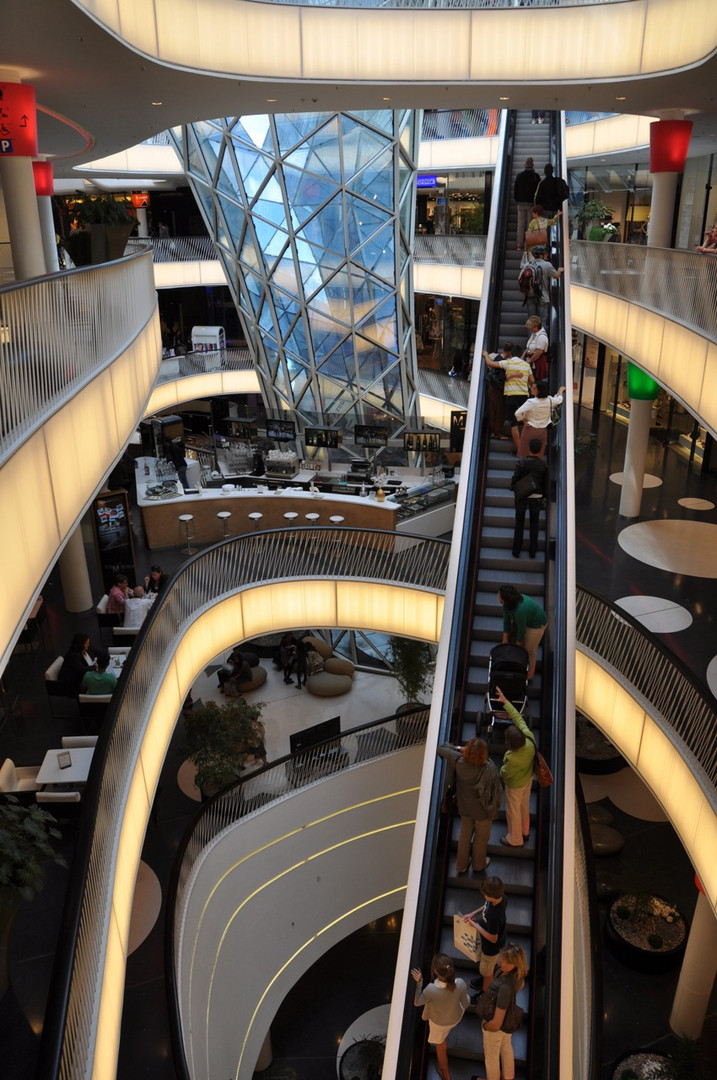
column 535, row 417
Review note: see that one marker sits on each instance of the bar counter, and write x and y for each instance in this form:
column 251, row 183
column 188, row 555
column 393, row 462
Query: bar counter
column 163, row 529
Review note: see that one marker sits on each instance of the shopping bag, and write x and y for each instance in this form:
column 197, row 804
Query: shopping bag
column 466, row 938
column 542, row 770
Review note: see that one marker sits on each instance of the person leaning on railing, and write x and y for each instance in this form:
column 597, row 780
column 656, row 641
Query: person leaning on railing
column 709, row 244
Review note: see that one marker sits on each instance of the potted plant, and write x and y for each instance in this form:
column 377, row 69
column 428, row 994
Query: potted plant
column 681, row 1063
column 594, row 753
column 411, row 662
column 590, row 213
column 27, row 845
column 103, row 228
column 644, row 931
column 221, row 740
column 363, row 1060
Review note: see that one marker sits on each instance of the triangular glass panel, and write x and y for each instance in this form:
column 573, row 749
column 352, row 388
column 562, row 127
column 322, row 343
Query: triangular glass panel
column 253, row 169
column 363, row 219
column 255, row 130
column 359, row 146
column 326, row 228
column 377, row 253
column 378, row 118
column 380, row 327
column 306, row 193
column 375, row 182
column 233, row 217
column 269, row 203
column 315, row 265
column 293, row 128
column 319, row 153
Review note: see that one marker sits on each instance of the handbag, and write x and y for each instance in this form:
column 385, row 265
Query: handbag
column 485, row 1010
column 485, row 1006
column 536, row 238
column 527, row 485
column 449, row 806
column 541, row 769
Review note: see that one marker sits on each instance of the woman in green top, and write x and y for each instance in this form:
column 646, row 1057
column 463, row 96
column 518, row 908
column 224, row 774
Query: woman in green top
column 517, row 774
column 524, row 622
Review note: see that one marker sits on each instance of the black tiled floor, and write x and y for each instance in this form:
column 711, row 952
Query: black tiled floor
column 313, row 1014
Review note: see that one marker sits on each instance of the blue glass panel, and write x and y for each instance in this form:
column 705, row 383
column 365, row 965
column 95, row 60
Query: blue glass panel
column 326, row 337
column 254, row 287
column 248, row 254
column 378, row 118
column 315, row 265
column 363, row 219
column 326, row 228
column 306, row 193
column 381, row 326
column 270, row 203
column 377, row 253
column 319, row 154
column 375, row 182
column 265, row 320
column 270, row 239
column 253, row 169
column 297, row 340
column 359, row 146
column 341, row 364
column 293, row 128
column 233, row 217
column 255, row 130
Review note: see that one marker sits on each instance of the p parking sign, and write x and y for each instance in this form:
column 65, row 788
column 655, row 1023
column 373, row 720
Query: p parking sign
column 18, row 120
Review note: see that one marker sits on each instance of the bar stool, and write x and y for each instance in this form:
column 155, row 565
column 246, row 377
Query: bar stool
column 336, row 519
column 290, row 516
column 185, row 522
column 312, row 518
column 256, row 518
column 224, row 516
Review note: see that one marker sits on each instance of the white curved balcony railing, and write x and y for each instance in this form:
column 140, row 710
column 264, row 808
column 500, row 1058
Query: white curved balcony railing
column 58, row 332
column 244, row 588
column 176, row 248
column 450, row 250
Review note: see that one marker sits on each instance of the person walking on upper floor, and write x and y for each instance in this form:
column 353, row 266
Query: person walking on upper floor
column 517, row 774
column 536, row 417
column 552, row 191
column 518, row 384
column 524, row 622
column 539, row 302
column 536, row 349
column 529, row 483
column 444, row 1002
column 478, row 796
column 526, row 183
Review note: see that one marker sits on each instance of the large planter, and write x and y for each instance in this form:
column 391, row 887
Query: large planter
column 646, row 933
column 109, row 242
column 643, row 1065
column 594, row 753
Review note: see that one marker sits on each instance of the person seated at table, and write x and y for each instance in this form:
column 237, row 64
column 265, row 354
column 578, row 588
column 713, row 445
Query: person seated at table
column 155, row 580
column 117, row 597
column 136, row 607
column 79, row 658
column 237, row 670
column 101, row 681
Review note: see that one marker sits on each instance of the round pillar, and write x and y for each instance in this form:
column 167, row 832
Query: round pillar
column 633, row 472
column 23, row 218
column 697, row 974
column 47, row 229
column 76, row 587
column 142, row 223
column 669, row 142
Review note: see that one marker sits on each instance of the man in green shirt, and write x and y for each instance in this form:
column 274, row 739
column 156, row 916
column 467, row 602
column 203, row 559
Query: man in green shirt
column 101, row 681
column 524, row 622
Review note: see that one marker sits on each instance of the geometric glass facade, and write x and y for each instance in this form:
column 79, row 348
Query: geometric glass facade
column 312, row 217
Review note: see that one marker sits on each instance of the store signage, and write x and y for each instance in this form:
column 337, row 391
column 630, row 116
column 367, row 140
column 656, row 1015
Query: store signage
column 42, row 174
column 18, row 120
column 140, row 199
column 427, row 181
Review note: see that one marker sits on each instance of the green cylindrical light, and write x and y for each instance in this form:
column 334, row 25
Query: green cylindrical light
column 640, row 385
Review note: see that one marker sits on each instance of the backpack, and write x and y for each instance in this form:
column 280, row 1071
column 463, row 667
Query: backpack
column 489, row 790
column 530, row 280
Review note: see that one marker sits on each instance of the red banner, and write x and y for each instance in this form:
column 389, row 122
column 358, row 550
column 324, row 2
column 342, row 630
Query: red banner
column 18, row 120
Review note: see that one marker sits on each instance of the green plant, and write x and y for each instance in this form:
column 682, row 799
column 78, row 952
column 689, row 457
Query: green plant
column 27, row 835
column 655, row 941
column 591, row 210
column 597, row 233
column 101, row 210
column 221, row 738
column 411, row 660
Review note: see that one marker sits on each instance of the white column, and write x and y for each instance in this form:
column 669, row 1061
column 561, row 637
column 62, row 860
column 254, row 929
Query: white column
column 633, row 471
column 47, row 228
column 662, row 209
column 75, row 576
column 142, row 225
column 697, row 975
column 23, row 219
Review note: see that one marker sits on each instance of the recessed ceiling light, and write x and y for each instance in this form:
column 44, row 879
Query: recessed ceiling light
column 156, row 102
column 620, row 99
column 504, row 99
column 387, row 99
column 271, row 99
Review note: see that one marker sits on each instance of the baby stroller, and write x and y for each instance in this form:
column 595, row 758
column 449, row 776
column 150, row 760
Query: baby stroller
column 508, row 669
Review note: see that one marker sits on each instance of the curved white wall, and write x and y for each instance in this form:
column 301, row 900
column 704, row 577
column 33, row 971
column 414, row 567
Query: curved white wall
column 274, row 893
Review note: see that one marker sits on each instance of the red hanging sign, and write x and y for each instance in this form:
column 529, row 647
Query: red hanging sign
column 42, row 172
column 18, row 120
column 140, row 199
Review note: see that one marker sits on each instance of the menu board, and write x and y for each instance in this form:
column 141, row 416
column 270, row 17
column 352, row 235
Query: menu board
column 371, row 435
column 113, row 536
column 458, row 431
column 322, row 437
column 421, row 441
column 281, row 430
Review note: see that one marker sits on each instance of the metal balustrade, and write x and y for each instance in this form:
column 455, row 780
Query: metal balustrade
column 420, row 5
column 450, row 250
column 175, row 248
column 221, row 571
column 58, row 332
column 193, row 363
column 644, row 665
column 681, row 285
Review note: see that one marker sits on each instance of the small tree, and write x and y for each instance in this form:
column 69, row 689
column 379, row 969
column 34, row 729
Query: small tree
column 411, row 661
column 27, row 844
column 220, row 739
column 592, row 210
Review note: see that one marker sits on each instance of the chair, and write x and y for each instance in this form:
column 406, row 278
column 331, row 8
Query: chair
column 57, row 797
column 93, row 708
column 124, row 633
column 185, row 523
column 65, row 806
column 256, row 518
column 15, row 778
column 224, row 516
column 58, row 692
column 78, row 742
column 105, row 621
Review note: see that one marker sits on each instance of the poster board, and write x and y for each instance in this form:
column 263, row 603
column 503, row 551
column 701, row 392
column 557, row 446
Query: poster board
column 112, row 530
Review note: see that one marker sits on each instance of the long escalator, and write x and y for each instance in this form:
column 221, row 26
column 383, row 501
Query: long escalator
column 531, row 874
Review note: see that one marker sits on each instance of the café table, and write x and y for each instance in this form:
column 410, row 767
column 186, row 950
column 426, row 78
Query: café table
column 75, row 773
